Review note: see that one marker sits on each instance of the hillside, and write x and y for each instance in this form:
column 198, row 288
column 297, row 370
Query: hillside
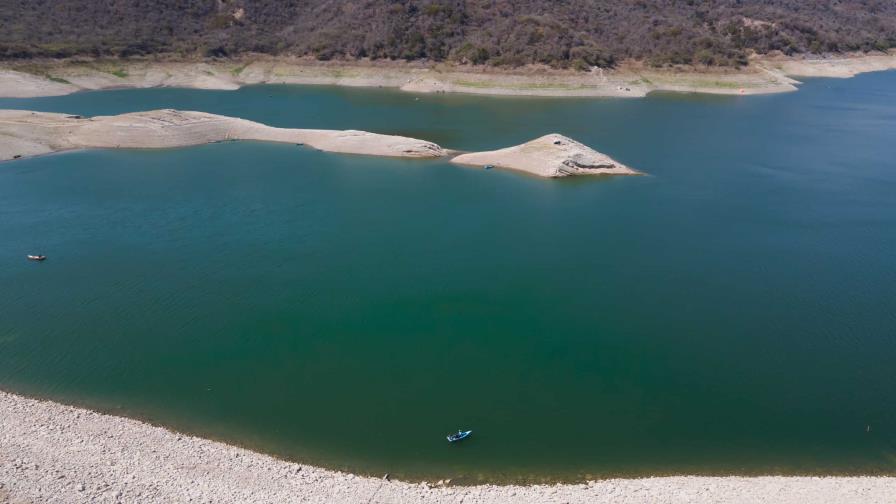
column 564, row 33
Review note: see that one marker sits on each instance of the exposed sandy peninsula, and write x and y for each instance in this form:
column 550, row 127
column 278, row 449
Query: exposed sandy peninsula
column 51, row 453
column 26, row 133
column 549, row 156
column 766, row 74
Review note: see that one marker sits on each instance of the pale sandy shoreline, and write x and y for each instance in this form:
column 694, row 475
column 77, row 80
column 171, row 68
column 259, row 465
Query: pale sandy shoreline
column 51, row 453
column 22, row 79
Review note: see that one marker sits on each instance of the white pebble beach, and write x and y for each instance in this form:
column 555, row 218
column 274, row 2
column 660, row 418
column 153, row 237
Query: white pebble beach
column 53, row 453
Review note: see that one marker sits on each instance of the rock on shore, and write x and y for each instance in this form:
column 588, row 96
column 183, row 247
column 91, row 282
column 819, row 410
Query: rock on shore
column 25, row 133
column 549, row 156
column 51, row 453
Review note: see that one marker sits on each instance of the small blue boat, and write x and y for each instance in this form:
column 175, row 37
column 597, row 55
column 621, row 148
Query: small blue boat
column 461, row 435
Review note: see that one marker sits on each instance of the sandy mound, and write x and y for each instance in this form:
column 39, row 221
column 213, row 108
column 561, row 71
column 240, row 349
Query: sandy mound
column 24, row 133
column 549, row 156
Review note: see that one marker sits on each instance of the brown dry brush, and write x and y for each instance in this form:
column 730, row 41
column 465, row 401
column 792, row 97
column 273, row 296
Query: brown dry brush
column 561, row 33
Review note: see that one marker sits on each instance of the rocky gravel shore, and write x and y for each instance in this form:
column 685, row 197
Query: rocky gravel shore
column 52, row 453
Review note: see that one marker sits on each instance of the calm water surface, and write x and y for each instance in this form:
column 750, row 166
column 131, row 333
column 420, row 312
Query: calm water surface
column 735, row 311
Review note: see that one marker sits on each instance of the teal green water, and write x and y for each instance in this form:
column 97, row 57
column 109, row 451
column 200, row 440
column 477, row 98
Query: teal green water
column 733, row 312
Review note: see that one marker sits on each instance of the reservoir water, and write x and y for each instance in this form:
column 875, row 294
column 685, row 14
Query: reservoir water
column 732, row 312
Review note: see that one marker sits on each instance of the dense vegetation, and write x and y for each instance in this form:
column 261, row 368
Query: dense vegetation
column 564, row 33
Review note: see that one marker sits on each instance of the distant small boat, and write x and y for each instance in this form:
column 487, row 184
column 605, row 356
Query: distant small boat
column 461, row 435
column 489, row 167
column 36, row 257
